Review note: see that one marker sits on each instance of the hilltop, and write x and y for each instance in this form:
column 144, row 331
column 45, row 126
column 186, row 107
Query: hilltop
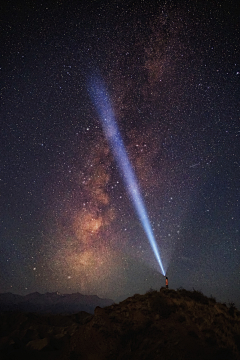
column 165, row 324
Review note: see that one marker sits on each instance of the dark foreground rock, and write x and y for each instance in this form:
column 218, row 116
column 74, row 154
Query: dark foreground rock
column 158, row 325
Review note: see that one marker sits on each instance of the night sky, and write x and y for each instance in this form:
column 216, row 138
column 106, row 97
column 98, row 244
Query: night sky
column 172, row 73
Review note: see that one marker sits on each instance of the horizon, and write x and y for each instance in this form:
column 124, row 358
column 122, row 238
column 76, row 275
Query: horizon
column 122, row 298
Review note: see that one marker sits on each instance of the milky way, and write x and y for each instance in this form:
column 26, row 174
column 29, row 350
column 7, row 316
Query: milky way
column 172, row 73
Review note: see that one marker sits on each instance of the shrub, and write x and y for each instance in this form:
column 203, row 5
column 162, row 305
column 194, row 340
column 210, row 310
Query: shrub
column 150, row 291
column 181, row 318
column 195, row 295
column 212, row 299
column 192, row 334
column 173, row 294
column 232, row 308
column 159, row 304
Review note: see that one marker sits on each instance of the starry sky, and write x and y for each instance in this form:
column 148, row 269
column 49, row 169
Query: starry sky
column 172, row 73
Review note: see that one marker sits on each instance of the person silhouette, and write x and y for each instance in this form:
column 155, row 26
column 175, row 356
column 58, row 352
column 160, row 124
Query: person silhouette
column 166, row 282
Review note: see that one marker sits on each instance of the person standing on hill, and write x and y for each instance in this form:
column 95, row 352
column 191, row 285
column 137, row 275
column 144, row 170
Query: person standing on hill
column 166, row 282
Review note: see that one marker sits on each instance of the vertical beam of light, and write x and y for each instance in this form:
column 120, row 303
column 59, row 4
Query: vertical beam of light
column 103, row 106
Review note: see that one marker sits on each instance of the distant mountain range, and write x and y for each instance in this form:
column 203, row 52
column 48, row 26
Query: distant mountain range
column 54, row 303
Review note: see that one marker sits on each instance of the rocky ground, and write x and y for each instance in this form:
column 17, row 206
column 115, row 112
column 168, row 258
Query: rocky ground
column 163, row 324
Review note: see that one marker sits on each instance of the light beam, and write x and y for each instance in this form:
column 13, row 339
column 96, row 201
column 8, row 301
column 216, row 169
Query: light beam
column 103, row 106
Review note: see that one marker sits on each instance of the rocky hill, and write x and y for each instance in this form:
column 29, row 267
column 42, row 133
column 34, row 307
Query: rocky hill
column 163, row 324
column 54, row 303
